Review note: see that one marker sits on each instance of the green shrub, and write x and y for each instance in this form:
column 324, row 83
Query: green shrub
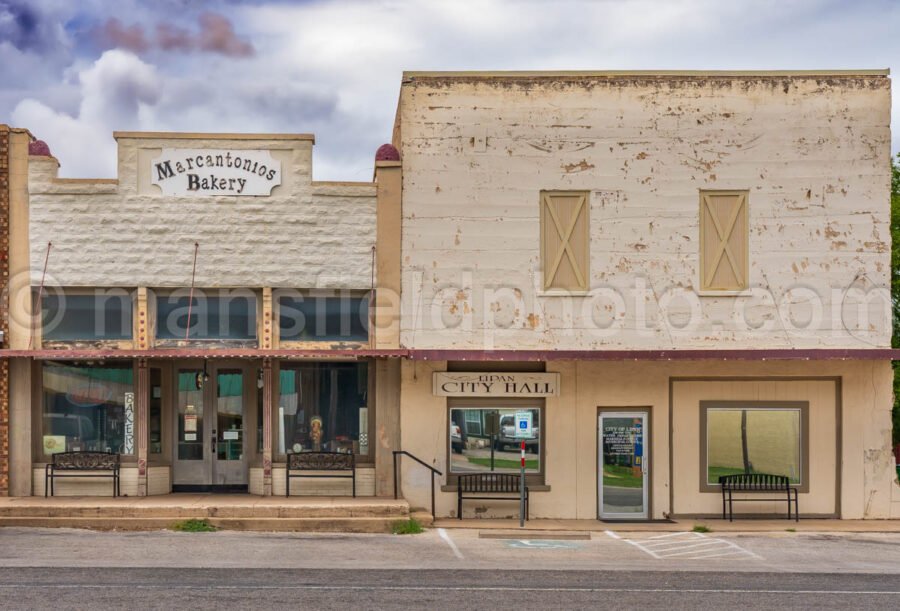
column 700, row 528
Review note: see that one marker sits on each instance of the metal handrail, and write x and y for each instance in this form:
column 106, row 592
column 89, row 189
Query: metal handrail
column 434, row 472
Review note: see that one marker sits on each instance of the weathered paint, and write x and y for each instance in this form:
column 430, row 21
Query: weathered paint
column 812, row 149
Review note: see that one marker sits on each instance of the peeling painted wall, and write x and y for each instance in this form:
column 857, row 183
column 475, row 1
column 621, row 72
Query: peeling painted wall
column 126, row 233
column 812, row 151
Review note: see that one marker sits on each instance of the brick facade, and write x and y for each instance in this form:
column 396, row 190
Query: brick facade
column 4, row 308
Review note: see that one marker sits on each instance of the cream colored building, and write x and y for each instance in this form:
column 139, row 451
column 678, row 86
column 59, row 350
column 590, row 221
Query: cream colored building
column 680, row 252
column 660, row 278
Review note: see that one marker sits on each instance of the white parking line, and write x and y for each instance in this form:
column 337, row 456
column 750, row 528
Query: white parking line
column 443, row 534
column 690, row 546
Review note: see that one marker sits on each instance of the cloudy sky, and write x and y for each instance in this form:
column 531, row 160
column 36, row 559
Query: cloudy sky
column 74, row 71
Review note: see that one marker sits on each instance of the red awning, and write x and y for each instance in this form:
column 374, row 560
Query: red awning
column 813, row 354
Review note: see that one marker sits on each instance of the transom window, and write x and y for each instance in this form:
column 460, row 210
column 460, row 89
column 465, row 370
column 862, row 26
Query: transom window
column 86, row 314
column 338, row 316
column 217, row 314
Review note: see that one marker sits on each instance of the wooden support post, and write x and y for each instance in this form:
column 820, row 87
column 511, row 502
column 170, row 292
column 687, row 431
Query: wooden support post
column 268, row 394
column 142, row 423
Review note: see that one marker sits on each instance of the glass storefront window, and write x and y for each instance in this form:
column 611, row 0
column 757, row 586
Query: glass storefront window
column 214, row 315
column 88, row 407
column 753, row 440
column 323, row 407
column 323, row 318
column 103, row 314
column 484, row 440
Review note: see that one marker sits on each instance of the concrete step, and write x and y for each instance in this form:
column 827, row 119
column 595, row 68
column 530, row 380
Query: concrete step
column 322, row 525
column 374, row 511
column 423, row 517
column 235, row 512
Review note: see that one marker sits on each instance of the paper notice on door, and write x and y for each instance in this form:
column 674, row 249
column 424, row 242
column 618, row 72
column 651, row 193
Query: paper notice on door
column 230, row 435
column 190, row 423
column 190, row 436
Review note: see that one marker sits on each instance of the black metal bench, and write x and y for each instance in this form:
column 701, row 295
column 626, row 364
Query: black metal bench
column 73, row 464
column 758, row 483
column 500, row 486
column 299, row 462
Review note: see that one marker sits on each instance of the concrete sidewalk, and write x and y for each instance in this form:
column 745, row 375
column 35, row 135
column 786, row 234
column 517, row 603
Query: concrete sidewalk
column 680, row 525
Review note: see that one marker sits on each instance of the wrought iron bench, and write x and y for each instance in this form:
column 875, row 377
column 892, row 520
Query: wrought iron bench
column 758, row 483
column 74, row 464
column 299, row 462
column 501, row 486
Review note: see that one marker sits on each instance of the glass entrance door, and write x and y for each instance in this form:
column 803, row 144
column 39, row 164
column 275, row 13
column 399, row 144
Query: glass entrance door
column 210, row 445
column 623, row 465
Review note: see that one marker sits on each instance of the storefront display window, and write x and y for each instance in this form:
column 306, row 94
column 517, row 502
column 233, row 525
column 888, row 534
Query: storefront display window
column 103, row 314
column 485, row 439
column 323, row 407
column 213, row 315
column 88, row 408
column 323, row 318
column 754, row 440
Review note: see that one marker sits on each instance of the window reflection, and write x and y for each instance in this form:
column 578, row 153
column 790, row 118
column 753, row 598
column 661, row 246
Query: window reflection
column 88, row 408
column 484, row 439
column 753, row 441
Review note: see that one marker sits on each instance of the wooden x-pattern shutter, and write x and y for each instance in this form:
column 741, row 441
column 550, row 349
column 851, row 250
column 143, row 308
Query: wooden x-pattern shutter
column 724, row 241
column 565, row 240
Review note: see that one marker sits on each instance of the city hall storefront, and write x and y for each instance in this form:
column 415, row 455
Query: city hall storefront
column 641, row 439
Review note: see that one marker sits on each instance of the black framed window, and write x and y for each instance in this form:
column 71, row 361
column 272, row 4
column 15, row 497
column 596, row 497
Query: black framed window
column 98, row 314
column 227, row 315
column 334, row 317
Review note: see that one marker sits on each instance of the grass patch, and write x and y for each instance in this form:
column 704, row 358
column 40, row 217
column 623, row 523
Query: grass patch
column 407, row 527
column 791, row 530
column 504, row 463
column 700, row 528
column 194, row 525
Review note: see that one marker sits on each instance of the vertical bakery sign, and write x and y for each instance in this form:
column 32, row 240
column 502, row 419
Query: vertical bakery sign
column 128, row 442
column 213, row 172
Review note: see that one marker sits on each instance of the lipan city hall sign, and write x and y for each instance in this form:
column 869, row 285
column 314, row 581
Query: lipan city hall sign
column 186, row 172
column 494, row 384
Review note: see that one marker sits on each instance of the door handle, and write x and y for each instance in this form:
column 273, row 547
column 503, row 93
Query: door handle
column 212, row 441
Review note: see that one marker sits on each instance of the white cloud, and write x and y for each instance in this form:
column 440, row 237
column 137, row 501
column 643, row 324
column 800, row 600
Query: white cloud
column 334, row 67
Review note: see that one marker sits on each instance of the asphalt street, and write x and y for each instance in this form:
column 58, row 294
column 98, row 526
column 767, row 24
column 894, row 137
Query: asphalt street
column 446, row 569
column 81, row 588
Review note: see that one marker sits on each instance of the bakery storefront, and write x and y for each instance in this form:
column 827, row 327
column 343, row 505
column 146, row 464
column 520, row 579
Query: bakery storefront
column 201, row 415
column 202, row 316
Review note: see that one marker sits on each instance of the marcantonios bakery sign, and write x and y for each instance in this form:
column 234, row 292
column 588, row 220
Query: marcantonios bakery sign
column 495, row 384
column 187, row 172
